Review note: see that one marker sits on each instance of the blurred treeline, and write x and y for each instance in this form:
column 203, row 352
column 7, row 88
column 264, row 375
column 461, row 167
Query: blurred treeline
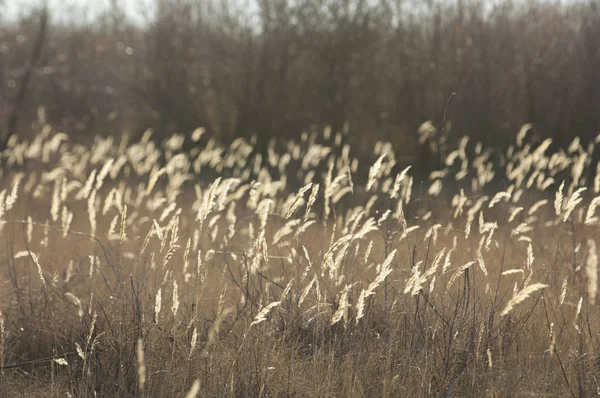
column 374, row 69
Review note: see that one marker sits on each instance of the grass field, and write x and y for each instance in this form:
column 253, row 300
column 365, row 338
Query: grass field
column 135, row 268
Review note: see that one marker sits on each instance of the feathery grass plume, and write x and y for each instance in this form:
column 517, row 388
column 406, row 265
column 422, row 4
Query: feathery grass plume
column 141, row 364
column 55, row 205
column 426, row 131
column 159, row 233
column 530, row 256
column 122, row 234
column 89, row 348
column 597, row 179
column 147, row 240
column 328, row 191
column 253, row 195
column 435, row 188
column 374, row 172
column 498, row 197
column 514, row 212
column 79, row 351
column 577, row 170
column 311, row 200
column 306, row 291
column 2, row 206
column 193, row 342
column 477, row 206
column 103, row 173
column 591, row 271
column 436, row 263
column 522, row 295
column 174, row 232
column 334, row 270
column 488, row 240
column 522, row 133
column 572, row 202
column 432, row 233
column 468, row 227
column 546, row 184
column 413, row 284
column 577, row 312
column 60, row 361
column 264, row 312
column 200, row 269
column 338, row 194
column 489, row 357
column 157, row 305
column 31, row 182
column 522, row 228
column 574, row 146
column 231, row 220
column 360, row 305
column 208, row 202
column 112, row 228
column 262, row 211
column 485, row 227
column 76, row 302
column 407, row 189
column 342, row 311
column 11, row 199
column 536, row 206
column 38, row 266
column 408, row 231
column 563, row 291
column 94, row 264
column 447, row 261
column 169, row 254
column 91, row 210
column 459, row 272
column 284, row 231
column 552, row 340
column 111, row 200
column 297, row 200
column 64, row 190
column 458, row 201
column 368, row 252
column 480, row 260
column 286, row 291
column 70, row 273
column 186, row 255
column 29, row 229
column 303, row 228
column 194, row 390
column 167, row 211
column 45, row 240
column 349, row 175
column 197, row 134
column 397, row 182
column 589, row 216
column 368, row 226
column 513, row 271
column 517, row 195
column 384, row 271
column 558, row 200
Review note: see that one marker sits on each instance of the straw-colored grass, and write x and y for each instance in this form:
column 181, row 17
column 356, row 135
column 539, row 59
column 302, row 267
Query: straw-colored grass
column 183, row 268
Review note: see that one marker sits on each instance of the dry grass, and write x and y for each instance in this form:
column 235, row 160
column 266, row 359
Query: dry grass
column 185, row 268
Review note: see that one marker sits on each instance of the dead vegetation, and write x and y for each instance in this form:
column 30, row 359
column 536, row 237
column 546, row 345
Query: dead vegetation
column 129, row 271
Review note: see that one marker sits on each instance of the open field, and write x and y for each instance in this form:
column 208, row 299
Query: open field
column 147, row 269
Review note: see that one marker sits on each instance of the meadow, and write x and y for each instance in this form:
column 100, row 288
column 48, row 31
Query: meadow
column 143, row 267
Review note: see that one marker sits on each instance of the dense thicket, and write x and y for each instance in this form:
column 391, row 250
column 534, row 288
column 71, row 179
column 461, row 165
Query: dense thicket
column 375, row 69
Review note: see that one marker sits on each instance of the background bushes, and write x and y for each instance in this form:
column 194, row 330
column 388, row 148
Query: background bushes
column 375, row 70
